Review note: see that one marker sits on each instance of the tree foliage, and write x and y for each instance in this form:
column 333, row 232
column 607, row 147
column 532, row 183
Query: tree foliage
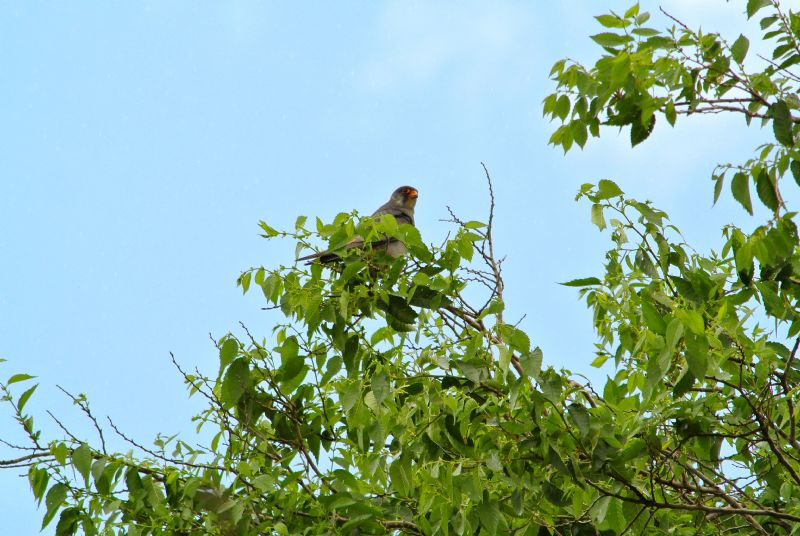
column 395, row 396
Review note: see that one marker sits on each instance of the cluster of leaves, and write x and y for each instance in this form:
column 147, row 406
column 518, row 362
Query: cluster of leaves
column 392, row 395
column 645, row 72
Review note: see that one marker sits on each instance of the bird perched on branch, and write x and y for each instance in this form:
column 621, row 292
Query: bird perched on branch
column 400, row 205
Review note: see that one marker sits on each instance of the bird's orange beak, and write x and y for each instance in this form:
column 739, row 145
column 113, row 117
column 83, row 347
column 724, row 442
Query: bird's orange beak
column 412, row 193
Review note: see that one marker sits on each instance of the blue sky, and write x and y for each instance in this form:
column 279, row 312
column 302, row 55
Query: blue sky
column 141, row 142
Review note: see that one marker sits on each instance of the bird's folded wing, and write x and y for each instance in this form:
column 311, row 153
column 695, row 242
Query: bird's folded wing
column 328, row 256
column 357, row 241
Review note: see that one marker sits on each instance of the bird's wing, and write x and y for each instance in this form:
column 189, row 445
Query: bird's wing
column 402, row 216
column 328, row 256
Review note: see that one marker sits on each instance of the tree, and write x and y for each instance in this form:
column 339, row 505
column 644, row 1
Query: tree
column 395, row 397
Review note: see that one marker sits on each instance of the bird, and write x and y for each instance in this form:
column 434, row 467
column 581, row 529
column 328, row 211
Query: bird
column 400, row 205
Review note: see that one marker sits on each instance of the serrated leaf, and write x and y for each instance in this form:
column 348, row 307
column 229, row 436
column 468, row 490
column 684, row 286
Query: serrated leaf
column 268, row 231
column 290, row 351
column 397, row 308
column 719, row 182
column 610, row 21
column 754, row 5
column 380, row 386
column 582, row 282
column 683, row 385
column 608, row 39
column 228, row 351
column 244, row 281
column 640, row 132
column 23, row 399
column 580, row 416
column 606, row 189
column 237, row 380
column 495, row 306
column 739, row 48
column 795, row 167
column 19, row 378
column 400, row 473
column 490, row 517
column 782, row 123
column 53, row 501
column 531, row 362
column 597, row 216
column 696, row 354
column 765, row 187
column 82, row 460
column 692, row 320
column 652, row 318
column 632, row 11
column 68, row 522
column 740, row 187
column 670, row 113
column 562, row 107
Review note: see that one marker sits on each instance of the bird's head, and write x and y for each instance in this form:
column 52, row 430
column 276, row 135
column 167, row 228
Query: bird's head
column 405, row 196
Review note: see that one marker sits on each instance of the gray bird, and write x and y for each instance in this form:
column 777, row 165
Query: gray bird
column 400, row 205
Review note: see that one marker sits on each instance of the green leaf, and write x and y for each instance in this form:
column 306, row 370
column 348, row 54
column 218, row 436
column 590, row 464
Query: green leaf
column 516, row 338
column 640, row 131
column 597, row 216
column 531, row 362
column 68, row 522
column 684, row 384
column 428, row 298
column 553, row 494
column 696, row 354
column 398, row 309
column 719, row 181
column 692, row 320
column 673, row 334
column 795, row 167
column 291, row 360
column 608, row 39
column 653, row 319
column 489, row 515
column 38, row 478
column 739, row 48
column 23, row 399
column 766, row 189
column 740, row 187
column 582, row 282
column 269, row 232
column 349, row 355
column 228, row 351
column 400, row 473
column 244, row 281
column 754, row 5
column 580, row 416
column 607, row 189
column 82, row 460
column 495, row 306
column 670, row 113
column 634, row 448
column 562, row 107
column 610, row 21
column 380, row 386
column 782, row 123
column 53, row 501
column 19, row 378
column 236, row 382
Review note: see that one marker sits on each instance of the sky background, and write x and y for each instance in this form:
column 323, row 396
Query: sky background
column 141, row 142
